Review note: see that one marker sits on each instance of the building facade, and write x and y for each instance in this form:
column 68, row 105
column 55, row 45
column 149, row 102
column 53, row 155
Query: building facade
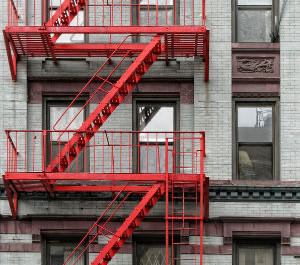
column 249, row 110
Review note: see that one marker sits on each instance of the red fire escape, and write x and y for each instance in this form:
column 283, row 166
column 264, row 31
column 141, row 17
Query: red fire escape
column 156, row 164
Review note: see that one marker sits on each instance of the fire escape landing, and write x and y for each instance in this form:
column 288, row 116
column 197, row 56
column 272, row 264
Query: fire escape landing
column 108, row 20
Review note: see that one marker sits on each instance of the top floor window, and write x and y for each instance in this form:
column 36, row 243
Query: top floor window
column 78, row 20
column 255, row 20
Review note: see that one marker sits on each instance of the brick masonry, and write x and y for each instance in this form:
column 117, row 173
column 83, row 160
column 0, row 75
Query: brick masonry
column 211, row 111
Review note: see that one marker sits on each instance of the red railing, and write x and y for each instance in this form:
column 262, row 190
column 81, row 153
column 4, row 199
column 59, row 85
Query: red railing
column 109, row 12
column 109, row 152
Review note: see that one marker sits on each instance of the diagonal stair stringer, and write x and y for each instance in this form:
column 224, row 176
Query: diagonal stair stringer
column 110, row 102
column 64, row 15
column 130, row 224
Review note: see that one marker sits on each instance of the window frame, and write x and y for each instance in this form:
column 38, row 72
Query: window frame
column 157, row 99
column 259, row 242
column 64, row 237
column 49, row 101
column 275, row 134
column 236, row 7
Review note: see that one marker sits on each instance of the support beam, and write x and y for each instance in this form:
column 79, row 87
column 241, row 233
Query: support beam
column 12, row 197
column 109, row 30
column 100, row 176
column 12, row 59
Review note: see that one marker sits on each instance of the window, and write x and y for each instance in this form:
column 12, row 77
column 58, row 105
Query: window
column 56, row 140
column 152, row 250
column 154, row 119
column 255, row 20
column 255, row 141
column 256, row 252
column 79, row 20
column 58, row 249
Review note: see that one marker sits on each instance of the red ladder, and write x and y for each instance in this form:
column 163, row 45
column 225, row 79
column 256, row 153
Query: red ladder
column 118, row 238
column 110, row 102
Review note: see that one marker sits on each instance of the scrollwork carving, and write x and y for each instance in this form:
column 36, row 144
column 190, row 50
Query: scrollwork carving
column 255, row 65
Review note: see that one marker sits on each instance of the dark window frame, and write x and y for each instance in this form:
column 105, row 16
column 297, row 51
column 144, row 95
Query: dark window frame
column 158, row 99
column 236, row 7
column 274, row 102
column 64, row 237
column 55, row 100
column 257, row 242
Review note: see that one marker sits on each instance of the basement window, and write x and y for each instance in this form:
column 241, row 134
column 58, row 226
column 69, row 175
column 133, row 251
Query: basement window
column 152, row 250
column 256, row 252
column 58, row 249
column 255, row 20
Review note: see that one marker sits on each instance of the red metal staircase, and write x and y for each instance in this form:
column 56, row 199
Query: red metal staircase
column 113, row 98
column 25, row 173
column 118, row 238
column 128, row 227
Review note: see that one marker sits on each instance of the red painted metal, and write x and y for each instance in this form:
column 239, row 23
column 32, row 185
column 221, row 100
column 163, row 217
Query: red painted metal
column 118, row 161
column 33, row 40
column 128, row 227
column 176, row 179
column 110, row 102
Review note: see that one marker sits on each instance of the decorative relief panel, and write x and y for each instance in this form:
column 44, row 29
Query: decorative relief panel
column 255, row 65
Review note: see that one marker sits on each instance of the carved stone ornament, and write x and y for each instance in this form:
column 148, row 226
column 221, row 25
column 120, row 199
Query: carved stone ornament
column 255, row 65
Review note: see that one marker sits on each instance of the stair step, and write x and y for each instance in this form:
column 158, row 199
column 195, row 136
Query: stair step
column 72, row 151
column 81, row 141
column 64, row 162
column 123, row 90
column 115, row 100
column 106, row 111
column 98, row 121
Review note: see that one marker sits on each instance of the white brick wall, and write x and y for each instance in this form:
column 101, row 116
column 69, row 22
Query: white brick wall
column 208, row 259
column 290, row 93
column 13, row 106
column 254, row 209
column 212, row 109
column 20, row 258
column 15, row 238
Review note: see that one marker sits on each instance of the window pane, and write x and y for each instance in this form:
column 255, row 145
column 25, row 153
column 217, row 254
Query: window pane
column 254, row 25
column 150, row 254
column 56, row 112
column 255, row 124
column 60, row 252
column 155, row 119
column 255, row 2
column 256, row 256
column 152, row 159
column 255, row 162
